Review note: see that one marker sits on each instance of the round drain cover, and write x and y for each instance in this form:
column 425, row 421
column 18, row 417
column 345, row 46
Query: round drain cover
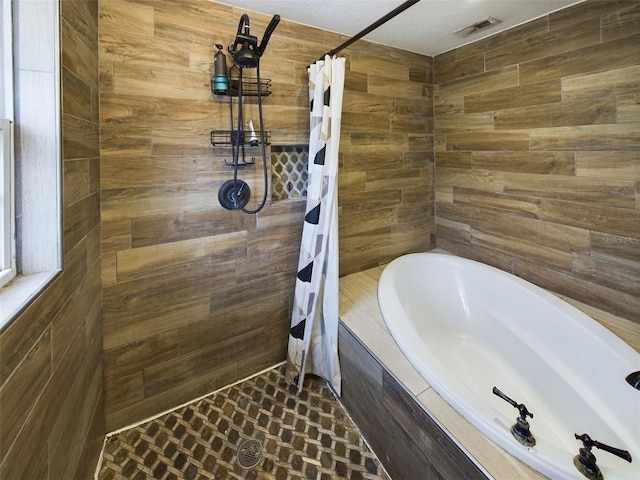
column 249, row 453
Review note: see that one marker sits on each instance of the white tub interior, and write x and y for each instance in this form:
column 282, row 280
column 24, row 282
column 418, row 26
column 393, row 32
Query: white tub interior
column 467, row 327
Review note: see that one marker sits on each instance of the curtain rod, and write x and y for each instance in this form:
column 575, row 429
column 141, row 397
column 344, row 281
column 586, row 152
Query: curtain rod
column 399, row 9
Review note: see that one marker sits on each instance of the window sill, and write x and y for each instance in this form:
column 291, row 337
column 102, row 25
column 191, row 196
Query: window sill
column 16, row 295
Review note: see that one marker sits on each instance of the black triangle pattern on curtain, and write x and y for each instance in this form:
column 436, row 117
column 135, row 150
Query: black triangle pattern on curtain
column 297, row 331
column 319, row 158
column 313, row 217
column 304, row 275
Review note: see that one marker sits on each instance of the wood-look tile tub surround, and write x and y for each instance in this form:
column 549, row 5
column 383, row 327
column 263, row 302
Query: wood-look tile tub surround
column 538, row 153
column 195, row 296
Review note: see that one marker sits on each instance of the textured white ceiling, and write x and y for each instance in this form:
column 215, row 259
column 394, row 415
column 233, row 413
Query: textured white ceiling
column 426, row 27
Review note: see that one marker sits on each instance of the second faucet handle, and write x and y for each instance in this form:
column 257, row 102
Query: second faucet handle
column 585, row 461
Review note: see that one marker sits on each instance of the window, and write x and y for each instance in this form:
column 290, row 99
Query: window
column 30, row 97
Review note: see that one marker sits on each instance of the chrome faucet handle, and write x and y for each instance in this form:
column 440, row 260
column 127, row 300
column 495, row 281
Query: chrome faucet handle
column 520, row 430
column 585, row 461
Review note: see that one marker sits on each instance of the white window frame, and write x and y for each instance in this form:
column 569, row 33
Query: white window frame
column 6, row 60
column 7, row 222
column 7, row 175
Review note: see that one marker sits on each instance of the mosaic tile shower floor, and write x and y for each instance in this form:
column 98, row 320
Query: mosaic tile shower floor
column 306, row 436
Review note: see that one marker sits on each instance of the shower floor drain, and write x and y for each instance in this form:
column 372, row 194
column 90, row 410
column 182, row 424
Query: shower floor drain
column 249, row 453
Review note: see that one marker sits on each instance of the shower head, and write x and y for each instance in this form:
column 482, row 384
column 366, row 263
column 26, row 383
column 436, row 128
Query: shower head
column 249, row 53
column 246, row 58
column 244, row 47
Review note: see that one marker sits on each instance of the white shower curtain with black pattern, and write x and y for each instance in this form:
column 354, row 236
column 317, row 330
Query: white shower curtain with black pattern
column 313, row 338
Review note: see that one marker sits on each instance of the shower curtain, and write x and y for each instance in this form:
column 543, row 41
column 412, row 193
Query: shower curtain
column 313, row 338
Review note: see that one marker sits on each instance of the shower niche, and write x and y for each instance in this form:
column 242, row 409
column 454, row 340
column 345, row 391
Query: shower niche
column 289, row 171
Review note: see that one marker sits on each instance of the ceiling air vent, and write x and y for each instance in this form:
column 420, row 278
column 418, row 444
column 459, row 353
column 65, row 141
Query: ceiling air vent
column 478, row 26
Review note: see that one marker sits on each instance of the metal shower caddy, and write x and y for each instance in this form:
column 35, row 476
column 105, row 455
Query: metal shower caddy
column 246, row 54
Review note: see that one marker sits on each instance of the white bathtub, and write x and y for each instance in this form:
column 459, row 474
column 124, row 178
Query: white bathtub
column 467, row 327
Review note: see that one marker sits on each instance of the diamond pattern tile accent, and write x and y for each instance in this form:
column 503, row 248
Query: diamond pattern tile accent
column 306, row 436
column 289, row 171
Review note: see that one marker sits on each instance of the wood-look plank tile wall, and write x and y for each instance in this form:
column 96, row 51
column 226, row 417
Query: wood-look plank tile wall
column 51, row 374
column 385, row 190
column 538, row 153
column 393, row 422
column 195, row 296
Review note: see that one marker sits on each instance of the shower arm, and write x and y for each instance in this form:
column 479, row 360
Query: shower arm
column 244, row 38
column 396, row 11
